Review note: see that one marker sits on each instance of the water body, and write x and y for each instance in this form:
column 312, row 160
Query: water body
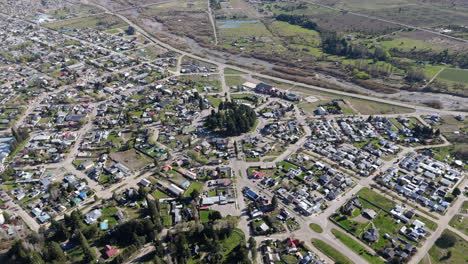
column 235, row 23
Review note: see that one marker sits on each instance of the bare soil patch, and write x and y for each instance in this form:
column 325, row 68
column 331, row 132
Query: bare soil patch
column 131, row 159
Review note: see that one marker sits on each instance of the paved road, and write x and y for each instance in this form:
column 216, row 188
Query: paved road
column 443, row 223
column 419, row 109
column 304, row 233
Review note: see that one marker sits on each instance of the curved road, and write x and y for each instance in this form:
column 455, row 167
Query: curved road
column 419, row 109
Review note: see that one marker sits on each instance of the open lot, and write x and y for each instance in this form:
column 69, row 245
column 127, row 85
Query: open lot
column 74, row 10
column 131, row 158
column 101, row 22
column 439, row 252
column 364, row 107
column 236, row 9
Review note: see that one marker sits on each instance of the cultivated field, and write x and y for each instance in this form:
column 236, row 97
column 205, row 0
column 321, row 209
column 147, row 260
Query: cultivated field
column 454, row 75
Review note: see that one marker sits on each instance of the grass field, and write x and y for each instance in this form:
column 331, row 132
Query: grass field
column 194, row 186
column 296, row 36
column 199, row 82
column 157, row 194
column 228, row 244
column 102, row 22
column 234, row 81
column 404, row 43
column 460, row 222
column 330, row 251
column 363, row 106
column 108, row 214
column 388, row 205
column 315, row 227
column 376, row 198
column 215, row 101
column 458, row 252
column 454, row 75
column 73, row 10
column 204, row 215
column 242, row 29
column 357, row 247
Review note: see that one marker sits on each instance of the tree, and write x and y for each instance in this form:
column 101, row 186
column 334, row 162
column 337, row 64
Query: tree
column 194, row 194
column 6, row 216
column 253, row 247
column 142, row 192
column 154, row 213
column 130, row 30
column 415, row 76
column 91, row 232
column 55, row 253
column 274, row 202
column 215, row 215
column 89, row 253
column 201, row 104
column 60, row 231
column 8, row 173
column 75, row 221
column 446, row 240
column 380, row 54
column 231, row 119
column 456, row 192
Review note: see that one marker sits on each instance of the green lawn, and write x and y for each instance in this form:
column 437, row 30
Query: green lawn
column 194, row 186
column 457, row 252
column 315, row 227
column 331, row 252
column 214, row 101
column 204, row 214
column 358, row 248
column 228, row 244
column 351, row 225
column 376, row 198
column 454, row 75
column 234, row 81
column 108, row 214
column 460, row 222
column 157, row 194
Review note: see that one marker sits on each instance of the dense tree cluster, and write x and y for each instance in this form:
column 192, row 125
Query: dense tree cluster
column 209, row 237
column 415, row 76
column 298, row 20
column 131, row 235
column 130, row 30
column 231, row 119
column 425, row 132
column 19, row 136
column 215, row 4
column 458, row 58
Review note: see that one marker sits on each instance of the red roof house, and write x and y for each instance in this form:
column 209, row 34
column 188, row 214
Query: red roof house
column 110, row 251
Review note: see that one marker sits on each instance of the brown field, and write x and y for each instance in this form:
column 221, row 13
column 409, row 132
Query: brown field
column 413, row 12
column 435, row 40
column 237, row 9
column 122, row 4
column 131, row 158
column 186, row 19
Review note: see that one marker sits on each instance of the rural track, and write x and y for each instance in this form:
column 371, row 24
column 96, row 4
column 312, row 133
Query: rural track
column 434, row 77
column 419, row 109
column 213, row 24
